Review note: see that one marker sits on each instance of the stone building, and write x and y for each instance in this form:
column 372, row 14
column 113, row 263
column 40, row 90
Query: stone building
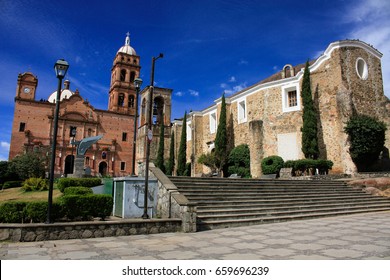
column 112, row 155
column 268, row 115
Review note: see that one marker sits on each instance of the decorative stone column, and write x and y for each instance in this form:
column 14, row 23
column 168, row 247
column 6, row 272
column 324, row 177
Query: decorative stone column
column 256, row 147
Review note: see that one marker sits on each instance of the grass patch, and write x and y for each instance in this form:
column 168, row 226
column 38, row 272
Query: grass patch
column 21, row 195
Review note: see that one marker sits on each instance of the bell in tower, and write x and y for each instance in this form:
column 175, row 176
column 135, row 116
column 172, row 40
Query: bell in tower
column 126, row 67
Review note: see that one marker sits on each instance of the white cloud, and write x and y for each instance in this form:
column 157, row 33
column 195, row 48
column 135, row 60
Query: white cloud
column 4, row 150
column 230, row 89
column 193, row 92
column 371, row 19
column 224, row 85
column 179, row 93
column 243, row 62
column 232, row 79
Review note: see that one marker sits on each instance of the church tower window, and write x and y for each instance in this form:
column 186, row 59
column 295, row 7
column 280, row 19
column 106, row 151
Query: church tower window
column 132, row 76
column 121, row 100
column 22, row 126
column 131, row 101
column 123, row 75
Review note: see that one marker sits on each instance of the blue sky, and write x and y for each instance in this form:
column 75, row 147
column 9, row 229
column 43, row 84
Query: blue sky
column 209, row 47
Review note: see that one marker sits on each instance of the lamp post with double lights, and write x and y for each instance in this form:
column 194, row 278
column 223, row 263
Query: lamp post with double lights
column 60, row 67
column 149, row 137
column 137, row 83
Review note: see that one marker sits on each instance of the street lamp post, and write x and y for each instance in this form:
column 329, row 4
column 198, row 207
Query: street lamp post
column 137, row 83
column 61, row 66
column 149, row 137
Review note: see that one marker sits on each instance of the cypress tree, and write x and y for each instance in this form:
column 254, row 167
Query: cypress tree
column 221, row 153
column 309, row 116
column 182, row 156
column 160, row 152
column 171, row 161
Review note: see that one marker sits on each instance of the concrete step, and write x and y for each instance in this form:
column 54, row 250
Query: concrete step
column 255, row 221
column 225, row 202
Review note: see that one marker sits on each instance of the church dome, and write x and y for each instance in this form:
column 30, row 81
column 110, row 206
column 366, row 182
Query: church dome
column 66, row 93
column 127, row 49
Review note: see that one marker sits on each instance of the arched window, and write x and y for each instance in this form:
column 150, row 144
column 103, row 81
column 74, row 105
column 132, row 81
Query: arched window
column 123, row 75
column 132, row 76
column 288, row 71
column 158, row 110
column 121, row 100
column 131, row 101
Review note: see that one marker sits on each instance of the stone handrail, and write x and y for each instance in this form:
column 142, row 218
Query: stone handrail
column 172, row 204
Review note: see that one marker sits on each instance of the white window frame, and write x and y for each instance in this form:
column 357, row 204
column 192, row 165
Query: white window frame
column 242, row 110
column 285, row 104
column 213, row 121
column 188, row 131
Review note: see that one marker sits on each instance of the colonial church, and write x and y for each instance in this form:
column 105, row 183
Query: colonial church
column 267, row 116
column 78, row 119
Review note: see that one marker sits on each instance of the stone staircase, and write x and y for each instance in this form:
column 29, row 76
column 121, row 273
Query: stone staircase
column 223, row 202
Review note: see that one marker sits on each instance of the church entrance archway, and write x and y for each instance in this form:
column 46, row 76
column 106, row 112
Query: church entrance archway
column 69, row 163
column 103, row 168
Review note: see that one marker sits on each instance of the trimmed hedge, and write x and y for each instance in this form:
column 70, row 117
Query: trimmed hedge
column 64, row 183
column 12, row 211
column 308, row 166
column 272, row 164
column 87, row 206
column 73, row 207
column 78, row 191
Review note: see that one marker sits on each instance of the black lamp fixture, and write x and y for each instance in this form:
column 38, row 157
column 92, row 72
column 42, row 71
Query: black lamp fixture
column 60, row 67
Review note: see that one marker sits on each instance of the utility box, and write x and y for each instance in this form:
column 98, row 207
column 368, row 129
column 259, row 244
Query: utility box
column 129, row 195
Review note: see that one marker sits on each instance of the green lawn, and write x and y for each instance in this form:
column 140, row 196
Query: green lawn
column 21, row 195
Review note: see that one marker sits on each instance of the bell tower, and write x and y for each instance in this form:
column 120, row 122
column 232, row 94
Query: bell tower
column 26, row 86
column 126, row 67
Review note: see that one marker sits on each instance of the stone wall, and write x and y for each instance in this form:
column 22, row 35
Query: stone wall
column 172, row 204
column 80, row 230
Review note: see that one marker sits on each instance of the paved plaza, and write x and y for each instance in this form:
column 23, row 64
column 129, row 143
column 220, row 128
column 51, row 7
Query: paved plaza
column 363, row 236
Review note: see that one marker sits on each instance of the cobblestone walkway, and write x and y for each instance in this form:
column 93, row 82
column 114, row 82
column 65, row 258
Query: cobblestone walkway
column 365, row 236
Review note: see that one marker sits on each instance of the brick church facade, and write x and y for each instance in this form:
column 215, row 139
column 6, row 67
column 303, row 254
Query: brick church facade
column 267, row 116
column 78, row 119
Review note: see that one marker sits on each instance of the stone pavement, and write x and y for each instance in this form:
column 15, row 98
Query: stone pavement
column 363, row 236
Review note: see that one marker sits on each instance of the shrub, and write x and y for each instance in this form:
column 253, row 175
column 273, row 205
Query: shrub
column 87, row 206
column 36, row 212
column 308, row 166
column 64, row 183
column 35, row 184
column 239, row 161
column 12, row 212
column 12, row 184
column 367, row 137
column 78, row 191
column 101, row 205
column 272, row 164
column 209, row 160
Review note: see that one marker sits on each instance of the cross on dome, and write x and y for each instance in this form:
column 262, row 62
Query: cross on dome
column 127, row 41
column 127, row 49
